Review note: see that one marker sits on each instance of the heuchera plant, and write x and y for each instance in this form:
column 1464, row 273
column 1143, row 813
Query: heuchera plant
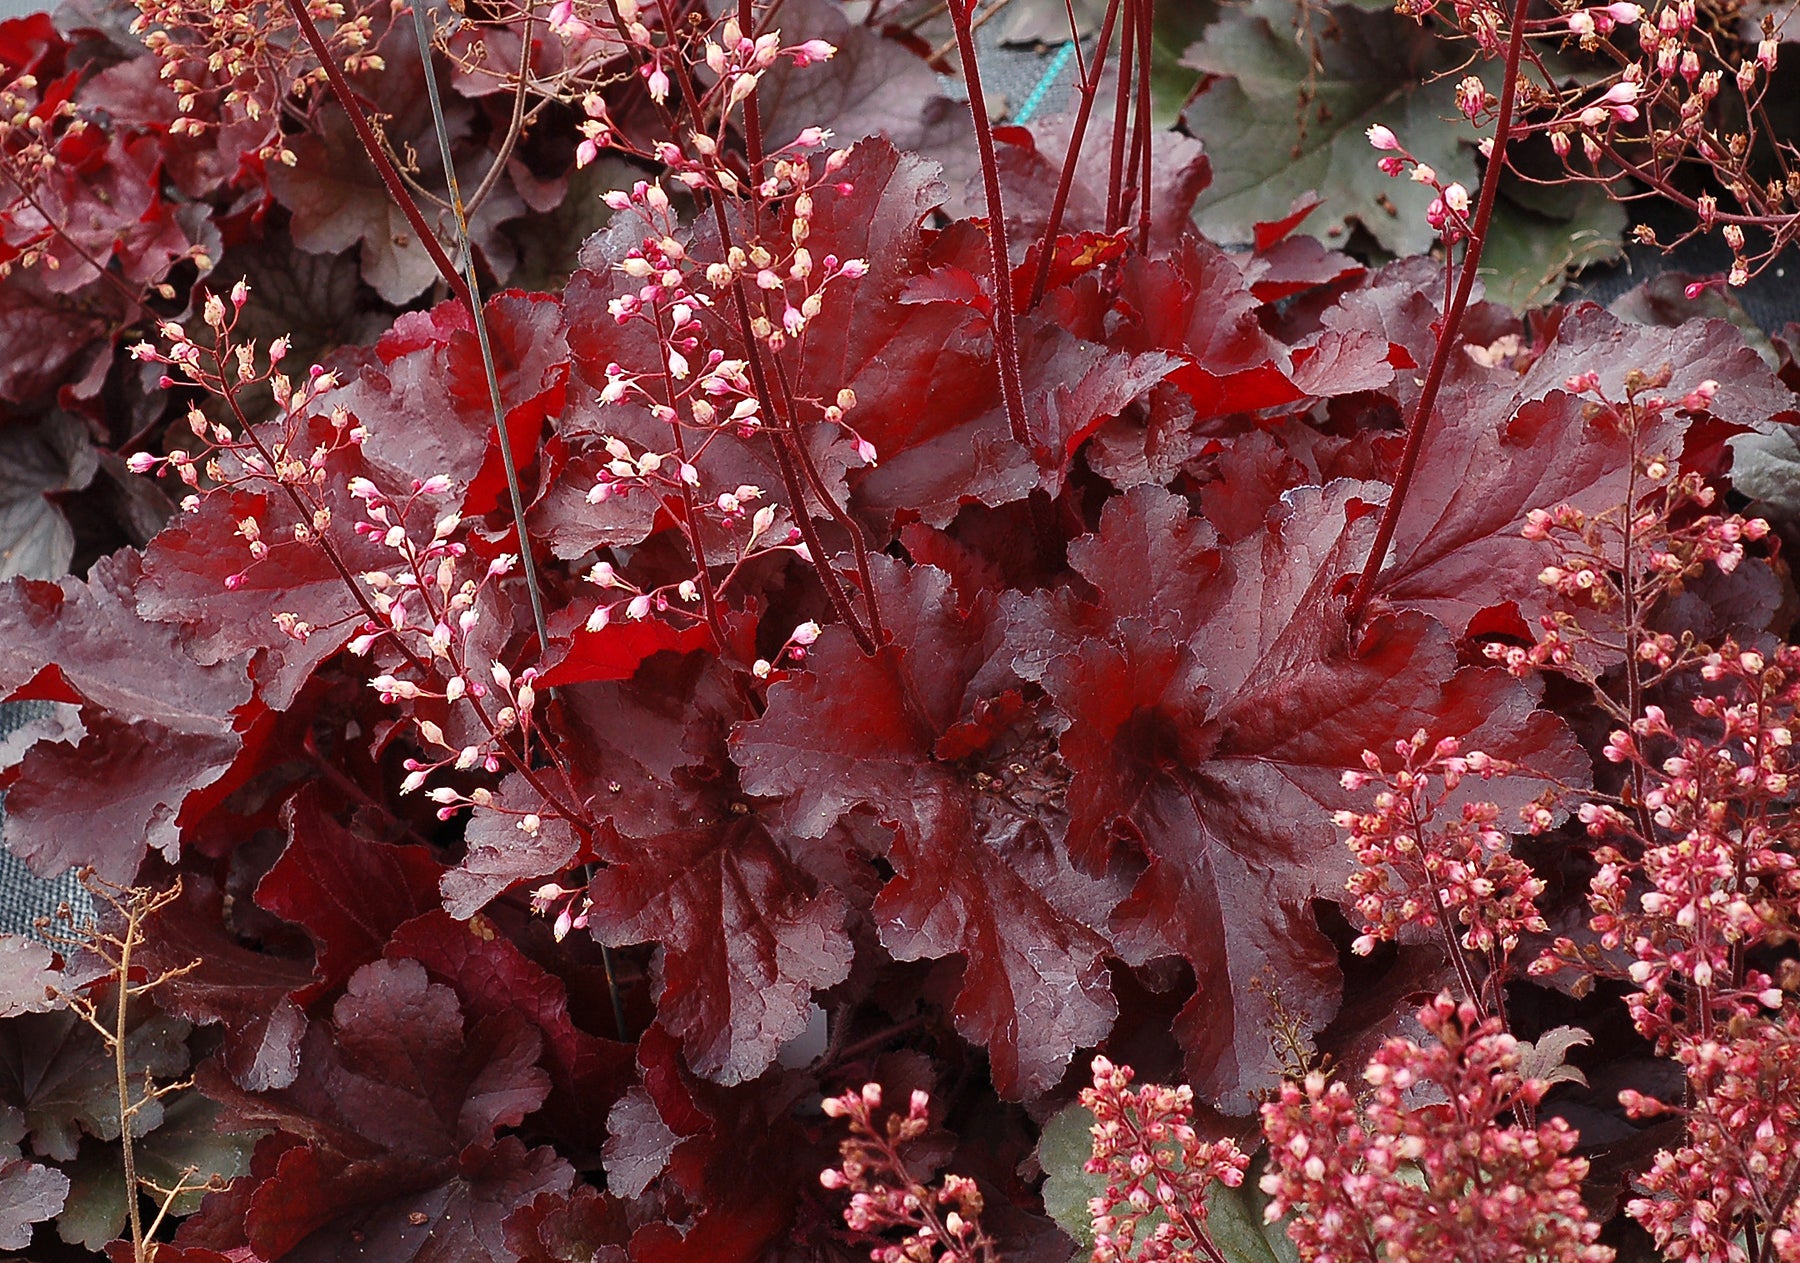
column 827, row 626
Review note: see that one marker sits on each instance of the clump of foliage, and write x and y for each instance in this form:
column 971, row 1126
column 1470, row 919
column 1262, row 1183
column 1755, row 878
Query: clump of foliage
column 602, row 581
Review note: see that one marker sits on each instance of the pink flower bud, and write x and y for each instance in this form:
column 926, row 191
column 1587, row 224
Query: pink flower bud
column 1382, row 137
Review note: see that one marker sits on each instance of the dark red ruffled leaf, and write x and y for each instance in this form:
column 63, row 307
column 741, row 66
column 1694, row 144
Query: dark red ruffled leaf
column 1072, row 256
column 491, row 976
column 48, row 341
column 1210, row 741
column 347, row 892
column 1492, row 454
column 744, row 1161
column 644, row 758
column 248, row 992
column 1196, row 304
column 638, row 1144
column 159, row 725
column 616, row 651
column 976, row 874
column 500, row 854
column 1273, row 232
column 29, row 1194
column 397, row 1107
column 582, row 1226
column 426, row 402
column 747, row 935
column 873, row 86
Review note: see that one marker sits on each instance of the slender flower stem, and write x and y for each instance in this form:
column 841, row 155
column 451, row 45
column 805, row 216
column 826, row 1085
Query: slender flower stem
column 753, row 138
column 340, row 88
column 127, row 1156
column 791, row 478
column 690, row 509
column 1090, row 85
column 1452, row 324
column 1012, row 388
column 789, row 450
column 858, row 544
column 515, row 126
column 472, row 298
column 1141, row 129
column 1115, row 176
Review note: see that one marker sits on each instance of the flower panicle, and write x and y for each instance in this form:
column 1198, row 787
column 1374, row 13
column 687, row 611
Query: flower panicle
column 1348, row 1172
column 1156, row 1166
column 914, row 1222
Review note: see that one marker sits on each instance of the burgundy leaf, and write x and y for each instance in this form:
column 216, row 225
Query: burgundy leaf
column 100, row 201
column 222, row 981
column 746, row 935
column 581, row 1226
column 1196, row 303
column 1272, row 233
column 629, row 745
column 978, row 871
column 49, row 341
column 29, row 1194
column 616, row 651
column 348, row 893
column 638, row 1144
column 159, row 725
column 37, row 462
column 491, row 976
column 873, row 86
column 1491, row 455
column 1295, row 265
column 426, row 404
column 500, row 853
column 397, row 1105
column 1211, row 742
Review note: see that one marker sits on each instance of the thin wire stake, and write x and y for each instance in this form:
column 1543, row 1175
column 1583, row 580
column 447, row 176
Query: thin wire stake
column 476, row 311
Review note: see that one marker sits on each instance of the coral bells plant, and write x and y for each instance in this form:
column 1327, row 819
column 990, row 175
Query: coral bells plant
column 600, row 574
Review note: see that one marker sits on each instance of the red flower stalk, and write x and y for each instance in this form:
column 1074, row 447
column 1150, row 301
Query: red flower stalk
column 1399, row 1180
column 1153, row 1160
